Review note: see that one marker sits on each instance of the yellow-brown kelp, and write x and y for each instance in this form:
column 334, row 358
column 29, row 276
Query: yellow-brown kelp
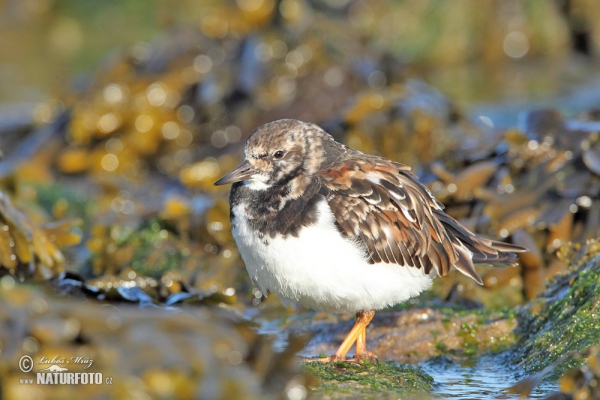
column 28, row 250
column 541, row 187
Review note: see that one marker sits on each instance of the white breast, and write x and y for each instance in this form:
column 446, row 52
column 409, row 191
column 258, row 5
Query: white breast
column 322, row 270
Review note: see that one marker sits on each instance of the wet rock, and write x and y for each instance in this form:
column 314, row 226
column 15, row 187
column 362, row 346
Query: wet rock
column 413, row 336
column 582, row 382
column 564, row 319
column 576, row 384
column 383, row 380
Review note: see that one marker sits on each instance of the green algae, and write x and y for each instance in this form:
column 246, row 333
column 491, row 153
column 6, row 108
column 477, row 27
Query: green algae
column 150, row 250
column 473, row 336
column 468, row 333
column 565, row 320
column 368, row 380
column 64, row 200
column 146, row 241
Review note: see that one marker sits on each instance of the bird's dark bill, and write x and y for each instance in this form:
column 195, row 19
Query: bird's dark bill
column 242, row 172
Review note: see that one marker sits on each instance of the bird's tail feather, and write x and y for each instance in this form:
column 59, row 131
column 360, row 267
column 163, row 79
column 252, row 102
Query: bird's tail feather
column 474, row 250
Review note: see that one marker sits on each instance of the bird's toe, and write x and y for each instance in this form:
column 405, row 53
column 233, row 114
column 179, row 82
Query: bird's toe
column 366, row 356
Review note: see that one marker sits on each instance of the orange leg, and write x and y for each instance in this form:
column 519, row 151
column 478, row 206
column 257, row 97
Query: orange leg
column 362, row 354
column 357, row 334
column 361, row 342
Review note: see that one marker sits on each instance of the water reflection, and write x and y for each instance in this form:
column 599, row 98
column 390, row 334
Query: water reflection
column 483, row 378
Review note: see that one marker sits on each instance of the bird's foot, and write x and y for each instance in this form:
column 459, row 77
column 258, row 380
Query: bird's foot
column 331, row 359
column 366, row 356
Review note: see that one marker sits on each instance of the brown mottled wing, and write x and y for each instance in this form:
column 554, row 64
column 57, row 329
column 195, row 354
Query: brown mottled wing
column 382, row 204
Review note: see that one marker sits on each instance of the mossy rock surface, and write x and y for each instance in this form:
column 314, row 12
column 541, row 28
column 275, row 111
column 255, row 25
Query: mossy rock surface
column 565, row 319
column 385, row 380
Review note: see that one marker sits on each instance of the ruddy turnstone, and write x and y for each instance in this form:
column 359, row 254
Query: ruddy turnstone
column 337, row 230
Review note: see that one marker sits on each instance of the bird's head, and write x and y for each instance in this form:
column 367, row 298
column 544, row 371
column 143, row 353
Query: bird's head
column 278, row 152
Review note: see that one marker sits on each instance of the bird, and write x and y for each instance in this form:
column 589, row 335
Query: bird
column 336, row 230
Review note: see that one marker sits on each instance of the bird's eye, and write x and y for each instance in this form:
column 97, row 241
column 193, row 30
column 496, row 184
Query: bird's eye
column 278, row 154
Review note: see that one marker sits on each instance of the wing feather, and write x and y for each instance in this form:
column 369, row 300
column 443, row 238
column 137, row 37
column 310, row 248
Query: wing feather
column 381, row 204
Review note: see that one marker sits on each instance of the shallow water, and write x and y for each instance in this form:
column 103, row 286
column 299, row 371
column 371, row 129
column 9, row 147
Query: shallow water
column 482, row 378
column 485, row 377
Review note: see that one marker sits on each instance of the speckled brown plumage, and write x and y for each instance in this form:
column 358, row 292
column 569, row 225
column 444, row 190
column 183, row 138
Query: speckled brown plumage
column 381, row 203
column 377, row 202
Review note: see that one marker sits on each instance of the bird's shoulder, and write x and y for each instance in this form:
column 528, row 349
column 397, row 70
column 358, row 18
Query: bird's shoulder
column 382, row 183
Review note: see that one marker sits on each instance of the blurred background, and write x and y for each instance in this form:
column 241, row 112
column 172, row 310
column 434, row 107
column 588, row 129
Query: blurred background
column 487, row 52
column 132, row 92
column 117, row 116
